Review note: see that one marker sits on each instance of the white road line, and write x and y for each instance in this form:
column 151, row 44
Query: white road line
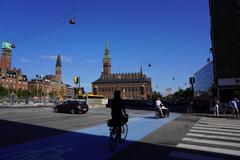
column 213, row 136
column 219, row 124
column 191, row 156
column 217, row 129
column 234, row 122
column 212, row 142
column 209, row 149
column 225, row 123
column 212, row 132
column 215, row 126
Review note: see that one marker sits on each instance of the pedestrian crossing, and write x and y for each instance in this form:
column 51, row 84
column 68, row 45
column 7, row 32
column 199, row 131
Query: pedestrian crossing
column 216, row 135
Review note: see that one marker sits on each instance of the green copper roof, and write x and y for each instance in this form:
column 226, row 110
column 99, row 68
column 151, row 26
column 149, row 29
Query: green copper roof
column 107, row 51
column 6, row 45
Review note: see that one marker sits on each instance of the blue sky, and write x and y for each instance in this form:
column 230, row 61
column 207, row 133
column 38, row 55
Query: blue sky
column 172, row 35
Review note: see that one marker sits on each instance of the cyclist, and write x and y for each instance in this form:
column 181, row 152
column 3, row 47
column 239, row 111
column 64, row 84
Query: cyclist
column 158, row 106
column 118, row 112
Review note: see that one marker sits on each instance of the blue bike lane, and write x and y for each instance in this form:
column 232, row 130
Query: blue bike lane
column 87, row 143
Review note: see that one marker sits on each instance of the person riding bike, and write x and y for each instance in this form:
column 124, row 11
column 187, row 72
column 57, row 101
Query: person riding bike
column 118, row 112
column 158, row 107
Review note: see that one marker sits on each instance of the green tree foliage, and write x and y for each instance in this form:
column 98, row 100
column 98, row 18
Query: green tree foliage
column 4, row 92
column 183, row 93
column 156, row 95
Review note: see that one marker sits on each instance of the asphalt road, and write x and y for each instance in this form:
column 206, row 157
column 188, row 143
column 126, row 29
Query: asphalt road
column 38, row 133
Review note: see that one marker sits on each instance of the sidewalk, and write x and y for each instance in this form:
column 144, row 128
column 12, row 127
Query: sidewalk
column 26, row 105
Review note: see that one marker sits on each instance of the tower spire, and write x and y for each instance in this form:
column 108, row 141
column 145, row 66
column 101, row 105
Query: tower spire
column 58, row 68
column 58, row 62
column 107, row 61
column 107, row 51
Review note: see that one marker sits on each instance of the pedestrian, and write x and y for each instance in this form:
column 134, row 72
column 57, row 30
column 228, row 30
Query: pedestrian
column 233, row 104
column 216, row 107
column 189, row 105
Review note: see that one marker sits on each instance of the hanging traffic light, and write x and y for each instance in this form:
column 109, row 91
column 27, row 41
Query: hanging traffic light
column 72, row 21
column 13, row 46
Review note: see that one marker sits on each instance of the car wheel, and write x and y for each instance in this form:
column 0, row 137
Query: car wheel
column 72, row 111
column 55, row 110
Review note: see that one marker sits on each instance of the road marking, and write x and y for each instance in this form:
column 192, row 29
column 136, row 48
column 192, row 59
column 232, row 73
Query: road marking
column 217, row 129
column 212, row 132
column 191, row 156
column 213, row 136
column 234, row 122
column 215, row 126
column 209, row 149
column 212, row 142
column 219, row 124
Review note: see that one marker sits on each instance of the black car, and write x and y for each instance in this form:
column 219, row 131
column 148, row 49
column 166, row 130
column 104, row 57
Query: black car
column 71, row 106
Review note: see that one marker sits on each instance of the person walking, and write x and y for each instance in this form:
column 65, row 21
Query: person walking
column 234, row 106
column 216, row 107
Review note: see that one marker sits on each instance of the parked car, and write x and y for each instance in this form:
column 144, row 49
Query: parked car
column 72, row 106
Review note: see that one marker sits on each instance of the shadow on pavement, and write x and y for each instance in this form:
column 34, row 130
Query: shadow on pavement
column 21, row 141
column 143, row 151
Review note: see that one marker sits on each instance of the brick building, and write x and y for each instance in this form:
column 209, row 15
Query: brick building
column 11, row 78
column 133, row 85
column 52, row 83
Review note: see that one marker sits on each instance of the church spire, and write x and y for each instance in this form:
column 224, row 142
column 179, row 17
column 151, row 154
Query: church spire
column 58, row 68
column 107, row 51
column 58, row 63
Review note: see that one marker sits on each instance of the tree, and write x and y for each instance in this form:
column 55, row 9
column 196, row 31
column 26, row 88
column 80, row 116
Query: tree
column 187, row 92
column 20, row 93
column 179, row 93
column 156, row 95
column 3, row 92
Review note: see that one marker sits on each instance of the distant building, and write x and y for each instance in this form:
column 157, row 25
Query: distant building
column 225, row 36
column 52, row 84
column 133, row 85
column 11, row 78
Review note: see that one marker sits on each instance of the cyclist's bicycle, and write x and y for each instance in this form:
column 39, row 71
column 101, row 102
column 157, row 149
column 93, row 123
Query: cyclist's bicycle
column 117, row 134
column 157, row 113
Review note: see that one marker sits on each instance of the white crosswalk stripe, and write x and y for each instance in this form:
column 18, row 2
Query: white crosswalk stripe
column 213, row 135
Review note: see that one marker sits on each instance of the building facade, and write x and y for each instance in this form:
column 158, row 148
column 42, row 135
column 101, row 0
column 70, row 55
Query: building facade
column 225, row 36
column 11, row 78
column 52, row 84
column 133, row 85
column 204, row 80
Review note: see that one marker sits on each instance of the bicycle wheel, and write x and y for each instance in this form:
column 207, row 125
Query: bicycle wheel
column 112, row 140
column 124, row 131
column 157, row 115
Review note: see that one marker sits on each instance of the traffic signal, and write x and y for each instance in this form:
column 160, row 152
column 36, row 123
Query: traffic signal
column 192, row 80
column 76, row 80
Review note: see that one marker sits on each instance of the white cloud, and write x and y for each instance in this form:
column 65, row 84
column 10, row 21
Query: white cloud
column 66, row 59
column 91, row 61
column 24, row 60
column 54, row 57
